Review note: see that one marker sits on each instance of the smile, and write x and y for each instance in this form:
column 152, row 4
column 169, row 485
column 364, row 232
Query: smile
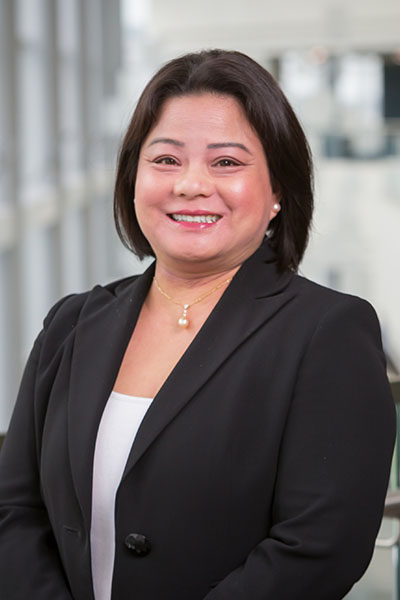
column 194, row 218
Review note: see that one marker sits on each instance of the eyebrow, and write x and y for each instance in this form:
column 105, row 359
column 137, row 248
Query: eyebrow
column 210, row 146
column 166, row 141
column 229, row 145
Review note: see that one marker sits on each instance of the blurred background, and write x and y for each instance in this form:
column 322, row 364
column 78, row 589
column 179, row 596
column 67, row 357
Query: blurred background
column 70, row 74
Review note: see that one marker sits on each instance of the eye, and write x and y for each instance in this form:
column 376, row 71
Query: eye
column 165, row 160
column 227, row 162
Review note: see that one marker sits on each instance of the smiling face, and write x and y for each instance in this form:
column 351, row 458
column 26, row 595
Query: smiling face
column 203, row 194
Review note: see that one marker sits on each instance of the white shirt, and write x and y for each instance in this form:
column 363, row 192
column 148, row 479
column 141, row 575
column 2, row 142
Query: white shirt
column 117, row 430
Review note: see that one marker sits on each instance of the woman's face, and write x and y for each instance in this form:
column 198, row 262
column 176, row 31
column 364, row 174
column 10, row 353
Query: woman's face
column 203, row 194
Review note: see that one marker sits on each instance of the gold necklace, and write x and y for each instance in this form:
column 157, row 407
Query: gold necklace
column 183, row 321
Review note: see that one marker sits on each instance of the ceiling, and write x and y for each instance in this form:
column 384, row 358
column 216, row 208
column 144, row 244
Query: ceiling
column 265, row 28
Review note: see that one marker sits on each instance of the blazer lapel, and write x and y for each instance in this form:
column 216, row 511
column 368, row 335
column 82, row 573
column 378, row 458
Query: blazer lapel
column 256, row 293
column 102, row 335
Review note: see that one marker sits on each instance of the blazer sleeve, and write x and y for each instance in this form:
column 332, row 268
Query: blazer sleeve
column 333, row 468
column 30, row 566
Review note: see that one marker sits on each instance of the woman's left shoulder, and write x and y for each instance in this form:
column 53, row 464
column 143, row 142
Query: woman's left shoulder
column 326, row 305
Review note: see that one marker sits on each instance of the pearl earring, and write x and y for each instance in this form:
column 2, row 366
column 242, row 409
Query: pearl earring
column 276, row 207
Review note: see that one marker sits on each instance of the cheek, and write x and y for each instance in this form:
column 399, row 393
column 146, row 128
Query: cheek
column 143, row 186
column 239, row 189
column 250, row 198
column 143, row 197
column 238, row 195
column 149, row 182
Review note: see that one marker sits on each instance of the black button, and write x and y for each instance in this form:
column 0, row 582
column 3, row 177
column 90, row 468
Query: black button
column 138, row 543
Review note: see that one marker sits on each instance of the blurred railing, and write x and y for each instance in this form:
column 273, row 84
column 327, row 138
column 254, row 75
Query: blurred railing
column 392, row 503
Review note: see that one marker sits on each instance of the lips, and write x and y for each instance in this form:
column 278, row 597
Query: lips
column 186, row 218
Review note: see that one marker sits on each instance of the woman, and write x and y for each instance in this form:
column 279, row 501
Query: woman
column 260, row 467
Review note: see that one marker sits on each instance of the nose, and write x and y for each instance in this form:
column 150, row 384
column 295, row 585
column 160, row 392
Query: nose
column 192, row 182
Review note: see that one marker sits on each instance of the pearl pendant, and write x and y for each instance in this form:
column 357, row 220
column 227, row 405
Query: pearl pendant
column 183, row 321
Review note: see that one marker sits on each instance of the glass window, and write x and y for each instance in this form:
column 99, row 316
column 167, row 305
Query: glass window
column 9, row 364
column 5, row 155
column 38, row 280
column 30, row 20
column 74, row 250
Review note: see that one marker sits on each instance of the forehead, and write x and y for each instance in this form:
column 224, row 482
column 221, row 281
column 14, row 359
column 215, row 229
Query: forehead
column 205, row 112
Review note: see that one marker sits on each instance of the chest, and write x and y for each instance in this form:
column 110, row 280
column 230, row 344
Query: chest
column 154, row 349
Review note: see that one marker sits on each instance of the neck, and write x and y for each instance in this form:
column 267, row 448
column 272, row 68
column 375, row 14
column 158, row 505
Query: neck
column 186, row 302
column 186, row 287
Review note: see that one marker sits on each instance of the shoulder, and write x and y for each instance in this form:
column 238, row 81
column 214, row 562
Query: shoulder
column 72, row 313
column 69, row 310
column 334, row 312
column 305, row 302
column 325, row 300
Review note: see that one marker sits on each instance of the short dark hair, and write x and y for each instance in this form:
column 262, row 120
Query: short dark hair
column 272, row 118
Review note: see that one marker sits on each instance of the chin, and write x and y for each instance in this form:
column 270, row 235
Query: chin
column 194, row 257
column 194, row 252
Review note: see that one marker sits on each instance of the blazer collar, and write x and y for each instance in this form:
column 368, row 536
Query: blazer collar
column 256, row 293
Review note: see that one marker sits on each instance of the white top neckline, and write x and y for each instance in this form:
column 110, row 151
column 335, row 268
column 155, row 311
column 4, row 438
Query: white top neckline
column 129, row 397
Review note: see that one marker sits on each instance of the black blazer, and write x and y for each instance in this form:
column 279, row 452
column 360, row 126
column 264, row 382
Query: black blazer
column 259, row 471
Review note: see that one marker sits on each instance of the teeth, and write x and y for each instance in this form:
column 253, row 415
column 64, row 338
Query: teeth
column 195, row 218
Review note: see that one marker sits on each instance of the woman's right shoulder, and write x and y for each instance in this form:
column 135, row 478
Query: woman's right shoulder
column 68, row 311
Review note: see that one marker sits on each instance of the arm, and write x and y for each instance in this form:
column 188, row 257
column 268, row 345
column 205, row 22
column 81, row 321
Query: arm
column 29, row 563
column 333, row 468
